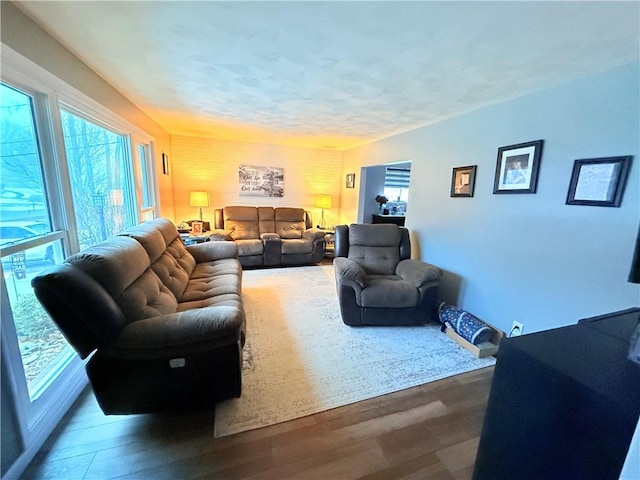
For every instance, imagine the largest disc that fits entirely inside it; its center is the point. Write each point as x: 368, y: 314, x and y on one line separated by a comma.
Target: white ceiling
x: 334, y: 74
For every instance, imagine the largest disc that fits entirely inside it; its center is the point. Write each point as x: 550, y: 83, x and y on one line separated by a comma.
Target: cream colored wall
x: 212, y: 165
x: 27, y: 38
x: 349, y: 206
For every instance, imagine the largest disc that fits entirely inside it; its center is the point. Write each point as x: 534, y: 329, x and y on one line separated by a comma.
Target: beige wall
x: 195, y: 163
x: 212, y: 165
x: 349, y: 196
x: 27, y: 38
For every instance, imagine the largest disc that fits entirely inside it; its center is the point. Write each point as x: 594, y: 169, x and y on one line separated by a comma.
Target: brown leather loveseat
x: 268, y: 236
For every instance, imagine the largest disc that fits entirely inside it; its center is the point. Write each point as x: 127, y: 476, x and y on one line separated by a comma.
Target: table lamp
x: 199, y: 199
x: 322, y: 202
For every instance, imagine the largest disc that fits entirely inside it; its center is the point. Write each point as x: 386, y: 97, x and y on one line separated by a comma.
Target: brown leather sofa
x: 268, y: 236
x: 164, y: 324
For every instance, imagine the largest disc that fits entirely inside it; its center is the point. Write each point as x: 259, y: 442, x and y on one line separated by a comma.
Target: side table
x: 329, y: 243
x: 192, y: 239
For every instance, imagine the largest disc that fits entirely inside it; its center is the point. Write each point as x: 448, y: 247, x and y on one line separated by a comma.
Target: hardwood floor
x: 426, y: 432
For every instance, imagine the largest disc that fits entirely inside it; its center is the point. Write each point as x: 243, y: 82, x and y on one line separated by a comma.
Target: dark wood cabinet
x: 564, y: 403
x: 397, y: 219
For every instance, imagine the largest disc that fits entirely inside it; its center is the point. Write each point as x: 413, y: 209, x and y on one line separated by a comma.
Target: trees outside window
x: 100, y: 171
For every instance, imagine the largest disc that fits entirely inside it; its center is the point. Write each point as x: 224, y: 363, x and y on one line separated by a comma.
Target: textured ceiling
x: 334, y: 74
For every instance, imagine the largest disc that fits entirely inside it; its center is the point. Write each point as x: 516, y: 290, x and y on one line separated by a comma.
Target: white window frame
x: 38, y: 417
x: 116, y: 130
x: 152, y: 208
x: 89, y: 110
x: 37, y: 420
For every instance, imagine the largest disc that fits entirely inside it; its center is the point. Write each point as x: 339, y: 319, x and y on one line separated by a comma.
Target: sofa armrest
x: 417, y: 272
x: 272, y: 245
x: 219, y: 235
x: 210, y: 251
x: 269, y: 236
x: 349, y: 270
x: 313, y: 234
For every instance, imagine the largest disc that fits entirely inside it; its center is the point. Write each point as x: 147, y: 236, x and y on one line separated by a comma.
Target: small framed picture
x: 463, y: 181
x: 598, y: 181
x: 351, y: 180
x: 517, y: 168
x: 196, y: 228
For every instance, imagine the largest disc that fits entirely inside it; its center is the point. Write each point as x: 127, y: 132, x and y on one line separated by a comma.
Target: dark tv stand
x: 564, y: 403
x: 397, y: 219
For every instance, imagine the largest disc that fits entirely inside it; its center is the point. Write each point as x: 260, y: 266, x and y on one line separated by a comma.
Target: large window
x: 72, y: 174
x: 100, y: 170
x: 27, y: 242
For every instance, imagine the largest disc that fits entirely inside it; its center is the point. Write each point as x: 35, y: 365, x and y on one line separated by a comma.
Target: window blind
x: 395, y: 177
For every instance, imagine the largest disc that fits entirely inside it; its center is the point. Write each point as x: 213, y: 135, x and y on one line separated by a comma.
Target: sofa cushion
x: 169, y: 258
x: 147, y: 297
x: 151, y: 239
x: 388, y: 291
x: 241, y: 222
x: 115, y: 263
x: 82, y: 308
x: 266, y: 220
x: 289, y: 222
x: 250, y: 247
x: 181, y: 254
x: 375, y: 247
x: 296, y: 245
x: 212, y: 283
x: 243, y: 230
x: 179, y: 333
x: 121, y: 265
x: 171, y: 273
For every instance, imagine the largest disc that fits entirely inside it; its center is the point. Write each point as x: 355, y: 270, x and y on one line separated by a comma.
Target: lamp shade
x: 199, y: 199
x: 323, y: 201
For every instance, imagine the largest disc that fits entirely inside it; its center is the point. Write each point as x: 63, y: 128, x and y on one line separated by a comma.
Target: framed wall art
x: 351, y: 180
x: 598, y: 181
x: 463, y: 181
x: 196, y: 228
x: 261, y: 181
x: 517, y: 168
x: 165, y: 164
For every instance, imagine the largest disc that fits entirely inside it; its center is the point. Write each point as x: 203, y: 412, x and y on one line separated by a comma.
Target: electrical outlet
x: 516, y: 329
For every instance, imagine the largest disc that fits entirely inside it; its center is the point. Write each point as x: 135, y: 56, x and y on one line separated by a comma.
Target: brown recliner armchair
x: 377, y: 282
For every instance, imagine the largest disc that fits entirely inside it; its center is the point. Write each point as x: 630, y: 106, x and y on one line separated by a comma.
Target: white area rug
x: 301, y: 359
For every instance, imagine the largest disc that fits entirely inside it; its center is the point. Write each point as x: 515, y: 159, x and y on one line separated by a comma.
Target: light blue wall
x: 373, y: 184
x: 527, y: 257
